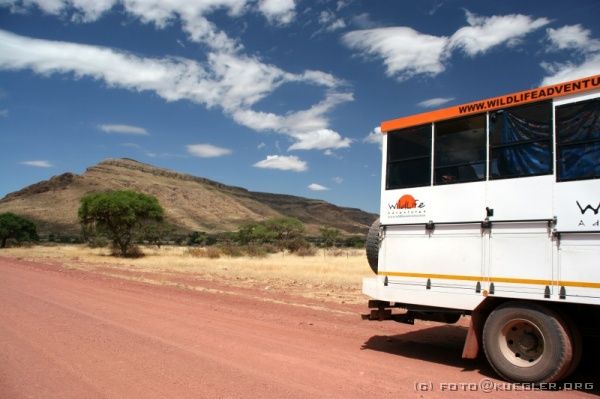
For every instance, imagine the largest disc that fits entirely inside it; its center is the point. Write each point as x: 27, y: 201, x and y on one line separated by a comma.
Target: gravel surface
x: 72, y: 334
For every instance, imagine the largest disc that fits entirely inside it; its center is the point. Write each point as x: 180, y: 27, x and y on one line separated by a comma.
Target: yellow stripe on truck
x: 583, y: 284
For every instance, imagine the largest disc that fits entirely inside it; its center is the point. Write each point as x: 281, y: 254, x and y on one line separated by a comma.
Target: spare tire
x: 373, y: 245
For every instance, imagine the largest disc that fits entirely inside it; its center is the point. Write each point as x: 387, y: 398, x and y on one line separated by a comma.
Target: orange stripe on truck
x: 490, y: 104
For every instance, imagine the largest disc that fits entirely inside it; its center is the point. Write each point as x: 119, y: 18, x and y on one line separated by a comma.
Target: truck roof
x: 522, y: 97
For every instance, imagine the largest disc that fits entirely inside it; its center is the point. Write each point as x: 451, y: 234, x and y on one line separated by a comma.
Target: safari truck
x: 491, y: 209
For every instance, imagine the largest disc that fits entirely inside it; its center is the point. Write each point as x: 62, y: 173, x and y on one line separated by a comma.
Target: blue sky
x: 281, y: 96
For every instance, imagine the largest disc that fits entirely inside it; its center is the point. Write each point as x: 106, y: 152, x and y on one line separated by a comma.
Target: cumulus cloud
x: 435, y: 102
x: 233, y: 82
x: 374, y: 137
x: 193, y: 15
x: 585, y: 54
x: 483, y: 33
x: 124, y: 129
x: 574, y: 37
x: 317, y: 187
x: 406, y: 52
x: 38, y: 164
x: 278, y: 11
x: 563, y: 72
x: 282, y: 162
x: 338, y: 179
x: 207, y: 150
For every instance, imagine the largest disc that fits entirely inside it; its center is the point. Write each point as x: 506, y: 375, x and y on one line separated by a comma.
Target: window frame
x: 549, y: 141
x: 560, y: 147
x: 388, y: 163
x: 483, y: 161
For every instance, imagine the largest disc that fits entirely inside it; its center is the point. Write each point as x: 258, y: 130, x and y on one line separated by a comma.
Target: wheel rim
x: 521, y: 343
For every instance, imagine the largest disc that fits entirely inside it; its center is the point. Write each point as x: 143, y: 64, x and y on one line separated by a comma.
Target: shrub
x: 231, y: 250
x: 133, y: 251
x: 256, y: 251
x: 17, y: 228
x: 306, y: 251
x: 98, y: 242
x: 210, y: 252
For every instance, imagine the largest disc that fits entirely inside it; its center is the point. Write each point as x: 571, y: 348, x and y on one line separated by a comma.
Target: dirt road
x: 72, y: 334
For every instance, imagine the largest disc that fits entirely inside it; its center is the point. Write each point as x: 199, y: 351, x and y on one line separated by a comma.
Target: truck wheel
x: 373, y: 245
x: 526, y: 342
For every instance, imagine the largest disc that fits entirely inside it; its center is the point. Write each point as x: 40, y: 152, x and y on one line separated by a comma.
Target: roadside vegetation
x: 124, y: 221
x: 16, y: 229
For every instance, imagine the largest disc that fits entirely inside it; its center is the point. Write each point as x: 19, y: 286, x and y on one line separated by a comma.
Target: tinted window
x: 460, y: 150
x: 578, y: 140
x: 521, y: 141
x: 409, y: 158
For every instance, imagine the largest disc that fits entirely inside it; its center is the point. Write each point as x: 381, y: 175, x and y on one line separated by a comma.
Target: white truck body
x: 492, y: 209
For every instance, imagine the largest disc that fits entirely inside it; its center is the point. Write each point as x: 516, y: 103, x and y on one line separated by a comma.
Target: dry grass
x: 336, y: 277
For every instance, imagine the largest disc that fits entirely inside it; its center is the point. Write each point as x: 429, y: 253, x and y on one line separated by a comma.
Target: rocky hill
x: 191, y: 203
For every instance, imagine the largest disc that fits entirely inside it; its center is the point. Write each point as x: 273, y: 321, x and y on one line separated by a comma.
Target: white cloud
x: 572, y: 37
x: 37, y: 164
x: 124, y: 129
x: 192, y: 15
x: 374, y: 137
x: 207, y: 150
x: 3, y: 113
x: 278, y: 11
x: 563, y: 72
x: 338, y: 179
x: 261, y: 145
x: 406, y: 52
x: 319, y: 139
x: 317, y: 187
x: 282, y: 162
x: 330, y: 22
x: 435, y: 102
x: 585, y: 62
x: 484, y: 33
x: 232, y: 82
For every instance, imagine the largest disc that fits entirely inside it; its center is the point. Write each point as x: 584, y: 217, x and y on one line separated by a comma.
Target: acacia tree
x: 120, y: 215
x: 16, y: 227
x: 330, y: 236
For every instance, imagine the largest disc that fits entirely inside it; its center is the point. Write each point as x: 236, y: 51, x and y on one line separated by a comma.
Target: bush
x: 231, y: 250
x: 98, y: 242
x: 16, y: 228
x: 306, y: 251
x: 210, y: 252
x: 133, y: 251
x: 256, y: 251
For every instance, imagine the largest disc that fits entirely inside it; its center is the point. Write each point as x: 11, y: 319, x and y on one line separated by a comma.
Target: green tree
x: 330, y: 236
x: 120, y: 215
x: 16, y: 227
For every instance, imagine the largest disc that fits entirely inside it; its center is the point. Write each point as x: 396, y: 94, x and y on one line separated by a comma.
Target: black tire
x: 373, y: 246
x: 526, y: 342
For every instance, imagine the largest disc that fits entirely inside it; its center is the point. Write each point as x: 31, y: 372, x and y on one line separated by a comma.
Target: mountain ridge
x: 191, y: 203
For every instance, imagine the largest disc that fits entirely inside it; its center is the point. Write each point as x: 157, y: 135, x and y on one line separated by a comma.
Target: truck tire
x: 372, y: 245
x: 526, y: 342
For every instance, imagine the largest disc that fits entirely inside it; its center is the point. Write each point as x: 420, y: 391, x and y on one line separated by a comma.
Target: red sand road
x: 72, y: 334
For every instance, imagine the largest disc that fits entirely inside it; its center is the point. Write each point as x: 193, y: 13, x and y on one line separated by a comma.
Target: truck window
x: 409, y: 158
x: 578, y: 140
x: 460, y: 150
x: 521, y: 141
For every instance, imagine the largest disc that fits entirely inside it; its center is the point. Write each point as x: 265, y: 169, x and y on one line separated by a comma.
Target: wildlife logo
x: 406, y: 206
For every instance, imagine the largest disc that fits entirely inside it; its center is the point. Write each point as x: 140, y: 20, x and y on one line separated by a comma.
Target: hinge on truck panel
x: 428, y: 286
x: 492, y: 289
x: 478, y: 287
x: 385, y: 281
x: 547, y: 292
